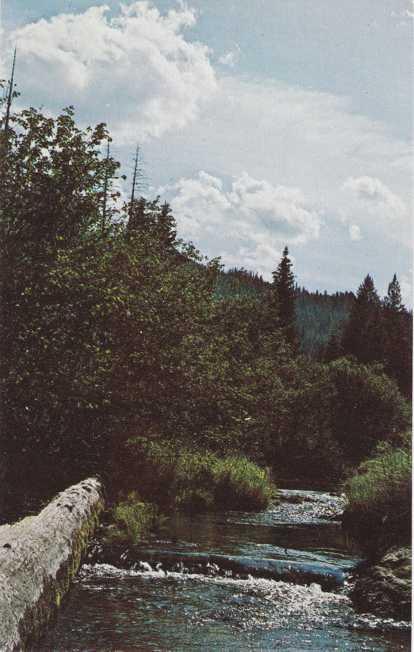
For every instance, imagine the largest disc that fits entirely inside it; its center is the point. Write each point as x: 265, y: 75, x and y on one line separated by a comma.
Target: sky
x: 264, y: 123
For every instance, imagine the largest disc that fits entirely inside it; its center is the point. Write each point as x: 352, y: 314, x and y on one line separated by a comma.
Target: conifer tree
x: 137, y: 215
x: 363, y: 333
x: 166, y: 226
x: 397, y: 337
x: 284, y: 292
x: 393, y: 301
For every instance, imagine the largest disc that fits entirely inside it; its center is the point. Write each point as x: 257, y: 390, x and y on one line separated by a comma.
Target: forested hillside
x: 319, y: 315
x: 123, y: 353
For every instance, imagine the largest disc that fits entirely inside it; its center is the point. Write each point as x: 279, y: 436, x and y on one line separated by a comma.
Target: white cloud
x: 136, y: 70
x: 142, y: 74
x: 301, y: 139
x: 374, y: 191
x: 230, y: 58
x: 355, y: 232
x: 249, y: 224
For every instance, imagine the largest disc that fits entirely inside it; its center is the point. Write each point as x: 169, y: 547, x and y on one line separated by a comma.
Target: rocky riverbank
x: 384, y: 588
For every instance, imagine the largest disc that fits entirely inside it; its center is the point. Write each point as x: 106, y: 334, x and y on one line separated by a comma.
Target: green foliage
x: 362, y: 333
x: 284, y: 290
x: 239, y: 282
x: 380, y: 332
x: 241, y: 484
x: 319, y: 316
x: 110, y: 327
x: 397, y: 338
x: 55, y: 302
x: 366, y: 407
x: 205, y: 480
x: 192, y: 480
x: 379, y: 496
x: 314, y: 420
x: 87, y: 312
x: 134, y: 518
x: 319, y: 320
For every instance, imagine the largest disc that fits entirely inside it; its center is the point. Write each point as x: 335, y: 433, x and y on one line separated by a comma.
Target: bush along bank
x: 193, y: 480
x: 190, y: 481
x: 379, y: 517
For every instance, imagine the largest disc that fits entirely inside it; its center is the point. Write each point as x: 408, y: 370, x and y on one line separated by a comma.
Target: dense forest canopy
x: 116, y: 336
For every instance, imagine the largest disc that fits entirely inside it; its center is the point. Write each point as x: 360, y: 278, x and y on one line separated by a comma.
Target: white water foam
x: 261, y: 602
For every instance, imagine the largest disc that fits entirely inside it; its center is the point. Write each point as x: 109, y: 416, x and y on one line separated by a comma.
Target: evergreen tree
x: 363, y: 333
x: 393, y: 301
x: 166, y: 226
x: 397, y: 337
x: 284, y: 292
x: 137, y: 214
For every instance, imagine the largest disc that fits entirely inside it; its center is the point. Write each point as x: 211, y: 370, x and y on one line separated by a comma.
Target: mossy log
x: 39, y: 556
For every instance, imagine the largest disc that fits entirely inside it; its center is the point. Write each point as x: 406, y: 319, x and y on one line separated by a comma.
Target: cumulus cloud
x: 140, y: 72
x: 230, y: 58
x: 135, y: 70
x: 248, y: 224
x: 373, y: 191
x: 355, y: 232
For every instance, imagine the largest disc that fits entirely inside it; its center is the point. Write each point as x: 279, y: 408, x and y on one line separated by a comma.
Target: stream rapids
x: 278, y: 579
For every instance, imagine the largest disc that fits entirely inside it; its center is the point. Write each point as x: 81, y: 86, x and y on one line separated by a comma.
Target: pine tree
x: 284, y: 293
x: 363, y: 333
x: 393, y: 301
x: 137, y: 215
x: 166, y: 226
x: 397, y: 337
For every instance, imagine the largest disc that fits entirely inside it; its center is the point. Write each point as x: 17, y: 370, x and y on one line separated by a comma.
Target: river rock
x: 385, y: 588
x: 39, y: 557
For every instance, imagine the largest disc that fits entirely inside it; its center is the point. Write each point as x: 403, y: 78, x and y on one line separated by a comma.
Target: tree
x: 393, y: 300
x: 397, y: 337
x: 10, y: 95
x: 366, y: 407
x: 137, y: 215
x: 166, y: 226
x: 284, y: 291
x: 363, y: 332
x: 54, y: 295
x: 137, y: 207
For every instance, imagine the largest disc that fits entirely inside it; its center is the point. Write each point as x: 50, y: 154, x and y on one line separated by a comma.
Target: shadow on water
x: 182, y: 592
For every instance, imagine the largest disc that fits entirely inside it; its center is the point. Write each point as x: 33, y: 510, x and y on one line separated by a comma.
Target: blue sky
x: 264, y: 122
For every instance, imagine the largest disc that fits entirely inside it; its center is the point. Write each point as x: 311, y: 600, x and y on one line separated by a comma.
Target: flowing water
x: 277, y: 580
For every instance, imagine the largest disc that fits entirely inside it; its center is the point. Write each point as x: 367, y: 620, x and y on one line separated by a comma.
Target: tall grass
x: 197, y: 480
x: 206, y: 481
x: 380, y: 496
x: 134, y: 518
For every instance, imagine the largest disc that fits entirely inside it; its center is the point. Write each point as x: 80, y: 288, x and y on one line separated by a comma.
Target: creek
x: 278, y: 579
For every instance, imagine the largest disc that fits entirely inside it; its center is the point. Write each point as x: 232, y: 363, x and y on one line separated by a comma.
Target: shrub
x: 241, y: 483
x: 379, y: 497
x: 135, y: 518
x: 366, y: 406
x: 197, y: 480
